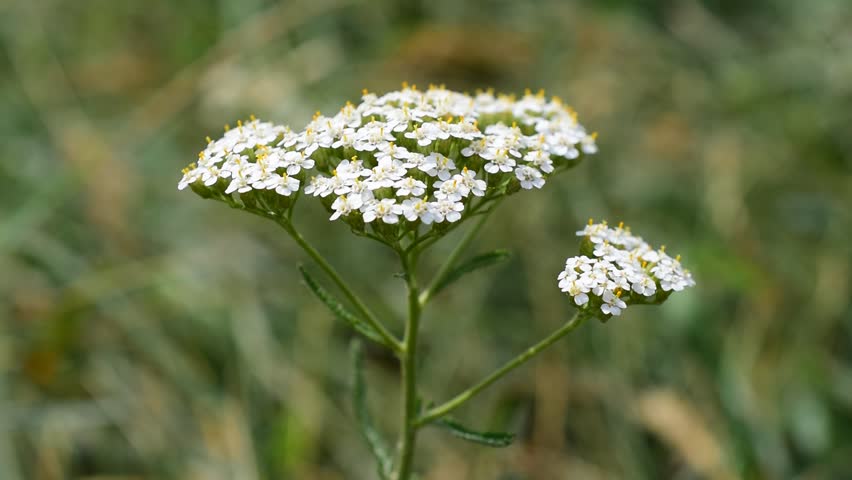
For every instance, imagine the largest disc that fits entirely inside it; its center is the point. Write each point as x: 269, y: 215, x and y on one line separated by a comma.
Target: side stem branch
x: 460, y: 399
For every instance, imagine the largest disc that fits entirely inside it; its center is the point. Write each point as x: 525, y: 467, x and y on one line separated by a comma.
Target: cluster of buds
x: 617, y: 269
x: 398, y: 161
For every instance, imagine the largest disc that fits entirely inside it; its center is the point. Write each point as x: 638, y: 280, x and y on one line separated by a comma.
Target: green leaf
x: 340, y: 311
x: 384, y: 462
x: 490, y: 439
x: 475, y: 263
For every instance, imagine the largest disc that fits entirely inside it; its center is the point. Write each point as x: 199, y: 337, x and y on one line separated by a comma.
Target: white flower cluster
x: 409, y: 154
x: 243, y: 158
x: 622, y: 266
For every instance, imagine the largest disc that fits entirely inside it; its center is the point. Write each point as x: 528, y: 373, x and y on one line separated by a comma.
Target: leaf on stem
x: 490, y: 439
x: 340, y: 311
x: 384, y: 462
x: 482, y: 260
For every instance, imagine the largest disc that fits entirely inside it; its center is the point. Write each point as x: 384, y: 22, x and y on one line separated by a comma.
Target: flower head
x: 406, y: 158
x: 622, y: 269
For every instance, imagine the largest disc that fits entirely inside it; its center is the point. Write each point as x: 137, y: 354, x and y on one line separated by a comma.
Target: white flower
x: 210, y: 175
x: 608, y: 252
x: 446, y: 209
x: 345, y: 140
x: 350, y: 170
x: 420, y: 134
x: 540, y: 159
x: 385, y: 174
x: 443, y: 165
x: 239, y: 183
x: 409, y: 186
x: 372, y: 136
x: 619, y: 278
x: 671, y: 274
x: 452, y: 190
x: 529, y: 177
x: 425, y: 164
x: 387, y: 210
x: 344, y: 205
x: 319, y: 187
x: 644, y: 285
x: 257, y: 173
x: 476, y: 147
x: 597, y: 233
x: 190, y: 176
x: 418, y: 161
x: 613, y: 305
x: 562, y: 145
x: 650, y: 255
x: 581, y: 263
x: 417, y: 208
x: 565, y: 277
x: 391, y: 151
x: 578, y: 290
x: 466, y: 130
x: 308, y: 141
x: 338, y: 184
x: 294, y: 162
x: 596, y: 279
x: 400, y: 118
x: 471, y: 183
x: 589, y: 145
x: 282, y: 184
x: 438, y: 130
x: 499, y: 161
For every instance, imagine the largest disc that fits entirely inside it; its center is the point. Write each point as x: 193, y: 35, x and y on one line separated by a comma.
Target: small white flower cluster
x: 622, y: 266
x: 244, y: 160
x: 410, y: 154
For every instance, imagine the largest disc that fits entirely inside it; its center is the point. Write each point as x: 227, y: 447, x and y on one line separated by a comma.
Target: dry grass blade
x: 681, y: 427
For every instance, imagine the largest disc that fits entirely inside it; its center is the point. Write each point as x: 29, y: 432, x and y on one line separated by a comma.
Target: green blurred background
x: 147, y: 334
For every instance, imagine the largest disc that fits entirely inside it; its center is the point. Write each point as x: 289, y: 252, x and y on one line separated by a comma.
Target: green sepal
x: 475, y: 263
x: 489, y: 439
x: 587, y: 247
x: 340, y: 311
x: 377, y: 445
x: 201, y: 190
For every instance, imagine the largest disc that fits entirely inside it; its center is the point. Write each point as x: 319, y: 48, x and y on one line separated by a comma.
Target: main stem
x: 457, y: 401
x: 408, y: 360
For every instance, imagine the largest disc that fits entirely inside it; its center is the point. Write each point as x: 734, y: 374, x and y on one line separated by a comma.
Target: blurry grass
x: 147, y: 334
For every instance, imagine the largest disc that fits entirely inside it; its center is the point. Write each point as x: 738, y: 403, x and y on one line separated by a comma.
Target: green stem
x: 365, y: 312
x: 459, y: 400
x: 408, y: 360
x: 451, y: 260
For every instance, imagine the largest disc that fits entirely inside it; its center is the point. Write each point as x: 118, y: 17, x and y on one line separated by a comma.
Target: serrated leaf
x: 340, y: 311
x: 483, y: 260
x: 490, y: 439
x: 384, y: 462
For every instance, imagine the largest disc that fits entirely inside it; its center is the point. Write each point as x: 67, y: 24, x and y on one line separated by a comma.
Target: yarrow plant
x: 405, y: 169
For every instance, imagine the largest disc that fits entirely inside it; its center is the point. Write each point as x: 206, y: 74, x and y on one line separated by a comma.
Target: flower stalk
x: 446, y: 408
x: 408, y: 362
x: 390, y: 340
x: 453, y: 257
